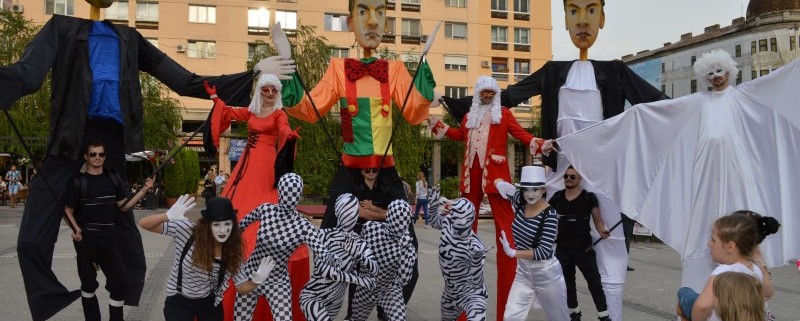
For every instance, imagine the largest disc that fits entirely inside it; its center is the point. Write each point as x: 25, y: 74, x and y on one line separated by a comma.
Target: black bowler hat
x: 219, y: 209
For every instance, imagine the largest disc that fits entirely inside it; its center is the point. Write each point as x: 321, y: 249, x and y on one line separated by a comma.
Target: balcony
x: 523, y: 16
x: 142, y: 24
x: 499, y: 46
x: 500, y: 14
x: 500, y: 75
x: 258, y: 31
x: 522, y: 47
x: 389, y: 38
x: 410, y: 39
x: 410, y: 7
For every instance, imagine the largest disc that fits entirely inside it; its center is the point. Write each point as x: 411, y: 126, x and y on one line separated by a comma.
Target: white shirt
x: 579, y: 101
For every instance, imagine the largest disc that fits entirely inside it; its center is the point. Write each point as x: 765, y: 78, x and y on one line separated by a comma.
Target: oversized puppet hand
x: 178, y: 211
x: 511, y: 252
x: 549, y: 146
x: 211, y: 90
x: 294, y: 134
x: 264, y: 268
x: 505, y: 189
x: 437, y: 100
x: 276, y: 65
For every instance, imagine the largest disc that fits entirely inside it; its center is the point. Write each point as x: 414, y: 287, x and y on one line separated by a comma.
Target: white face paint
x: 222, y: 230
x: 532, y: 194
x: 715, y: 71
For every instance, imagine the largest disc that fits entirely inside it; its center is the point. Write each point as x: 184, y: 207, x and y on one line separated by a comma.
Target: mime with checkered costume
x: 395, y: 255
x: 281, y: 231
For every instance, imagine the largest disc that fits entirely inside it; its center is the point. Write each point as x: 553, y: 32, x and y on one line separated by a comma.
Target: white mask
x: 222, y: 230
x: 532, y: 195
x: 715, y: 71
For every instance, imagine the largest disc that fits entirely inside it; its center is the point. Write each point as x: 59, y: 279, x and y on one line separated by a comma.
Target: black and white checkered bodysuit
x: 461, y: 259
x: 282, y: 230
x: 392, y: 248
x: 339, y: 254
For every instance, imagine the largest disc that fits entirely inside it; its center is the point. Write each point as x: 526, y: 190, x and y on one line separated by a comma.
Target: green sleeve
x: 292, y: 92
x: 424, y: 81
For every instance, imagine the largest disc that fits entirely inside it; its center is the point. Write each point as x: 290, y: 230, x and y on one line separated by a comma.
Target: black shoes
x: 630, y: 268
x: 605, y: 318
x: 575, y: 316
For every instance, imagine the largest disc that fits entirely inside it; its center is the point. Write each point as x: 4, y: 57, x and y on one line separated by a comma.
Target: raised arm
x: 27, y: 75
x: 325, y: 94
x: 436, y: 202
x: 254, y: 215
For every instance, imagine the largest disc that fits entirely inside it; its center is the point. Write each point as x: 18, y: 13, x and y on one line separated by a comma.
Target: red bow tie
x: 355, y: 69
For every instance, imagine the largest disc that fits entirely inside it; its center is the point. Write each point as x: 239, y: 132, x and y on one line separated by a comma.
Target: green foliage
x: 174, y: 182
x: 450, y: 187
x: 412, y: 151
x: 318, y: 160
x: 452, y: 151
x: 191, y: 170
x: 31, y: 113
x: 162, y: 113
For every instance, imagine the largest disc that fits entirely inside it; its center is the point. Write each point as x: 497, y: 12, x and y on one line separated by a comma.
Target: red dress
x: 251, y: 184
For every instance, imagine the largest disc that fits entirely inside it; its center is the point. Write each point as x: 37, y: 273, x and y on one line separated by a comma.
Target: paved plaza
x: 649, y: 291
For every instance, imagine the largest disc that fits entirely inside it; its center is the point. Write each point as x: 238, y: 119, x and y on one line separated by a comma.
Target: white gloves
x: 264, y: 268
x: 507, y: 247
x: 276, y: 65
x: 505, y: 189
x: 178, y: 211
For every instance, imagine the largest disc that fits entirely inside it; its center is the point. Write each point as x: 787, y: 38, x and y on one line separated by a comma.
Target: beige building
x: 508, y: 39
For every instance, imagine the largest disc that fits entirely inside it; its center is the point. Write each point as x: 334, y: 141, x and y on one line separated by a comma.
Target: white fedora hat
x: 532, y: 176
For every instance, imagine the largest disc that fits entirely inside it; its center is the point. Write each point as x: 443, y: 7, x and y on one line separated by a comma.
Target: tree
x: 162, y: 113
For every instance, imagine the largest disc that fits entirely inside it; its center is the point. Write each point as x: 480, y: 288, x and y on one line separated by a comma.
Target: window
x: 254, y: 49
x: 663, y: 67
x: 410, y: 27
x: 753, y: 74
x: 739, y: 77
x: 738, y: 51
x: 792, y: 42
x: 117, y: 11
x: 455, y: 3
x: 202, y: 14
x: 773, y: 44
x: 340, y: 53
x: 455, y: 92
x: 694, y: 58
x: 500, y: 69
x: 257, y: 20
x: 499, y: 5
x: 499, y: 34
x: 335, y: 22
x: 147, y: 11
x: 693, y: 86
x: 390, y: 23
x: 762, y: 45
x: 410, y: 1
x: 455, y: 30
x: 664, y: 89
x: 152, y: 41
x: 763, y: 72
x: 455, y: 63
x: 522, y: 36
x: 522, y: 68
x: 63, y: 7
x: 288, y: 19
x: 521, y: 6
x: 202, y: 49
x: 753, y: 47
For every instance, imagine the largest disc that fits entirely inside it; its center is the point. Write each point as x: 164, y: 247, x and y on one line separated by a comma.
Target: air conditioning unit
x: 485, y: 64
x: 18, y: 8
x: 181, y: 48
x: 423, y: 38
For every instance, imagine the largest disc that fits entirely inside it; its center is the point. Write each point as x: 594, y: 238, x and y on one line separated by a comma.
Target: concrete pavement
x: 649, y: 292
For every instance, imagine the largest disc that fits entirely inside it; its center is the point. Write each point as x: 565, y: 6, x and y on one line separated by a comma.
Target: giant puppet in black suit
x: 96, y: 95
x: 576, y: 94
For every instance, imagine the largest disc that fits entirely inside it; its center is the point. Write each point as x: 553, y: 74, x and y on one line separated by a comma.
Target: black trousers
x: 101, y: 248
x: 627, y: 228
x: 587, y: 263
x: 181, y: 308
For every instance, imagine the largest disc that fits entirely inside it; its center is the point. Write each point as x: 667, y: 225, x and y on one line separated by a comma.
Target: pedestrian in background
x: 422, y: 197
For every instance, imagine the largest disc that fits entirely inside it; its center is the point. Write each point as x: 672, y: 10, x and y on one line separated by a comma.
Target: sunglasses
x: 488, y: 92
x: 269, y: 90
x: 570, y: 176
x: 101, y: 155
x: 370, y: 170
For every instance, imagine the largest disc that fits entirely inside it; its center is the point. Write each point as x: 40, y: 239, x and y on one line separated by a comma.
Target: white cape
x: 678, y: 165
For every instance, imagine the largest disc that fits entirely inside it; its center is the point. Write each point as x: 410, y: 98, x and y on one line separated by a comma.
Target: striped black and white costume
x: 281, y: 231
x: 538, y: 281
x: 461, y: 259
x: 395, y: 255
x: 338, y: 254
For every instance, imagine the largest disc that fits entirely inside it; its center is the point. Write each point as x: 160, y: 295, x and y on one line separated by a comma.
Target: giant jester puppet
x: 576, y: 94
x: 96, y: 96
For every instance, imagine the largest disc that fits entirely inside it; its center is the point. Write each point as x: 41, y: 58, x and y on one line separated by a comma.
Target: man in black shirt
x: 575, y: 206
x: 93, y: 205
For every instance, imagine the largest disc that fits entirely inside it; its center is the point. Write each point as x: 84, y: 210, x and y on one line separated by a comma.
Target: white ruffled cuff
x: 439, y: 129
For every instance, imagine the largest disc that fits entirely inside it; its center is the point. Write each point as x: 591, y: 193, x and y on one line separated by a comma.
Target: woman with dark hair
x: 207, y: 253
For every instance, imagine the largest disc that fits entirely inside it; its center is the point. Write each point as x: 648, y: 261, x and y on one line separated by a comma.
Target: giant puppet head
x: 715, y: 68
x: 100, y: 3
x: 367, y: 21
x: 584, y: 19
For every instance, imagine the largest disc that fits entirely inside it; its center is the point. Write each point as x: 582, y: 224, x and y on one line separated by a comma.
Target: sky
x: 635, y: 25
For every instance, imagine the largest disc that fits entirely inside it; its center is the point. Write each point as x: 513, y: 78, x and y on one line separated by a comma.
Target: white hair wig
x: 475, y: 111
x: 265, y: 80
x: 710, y: 61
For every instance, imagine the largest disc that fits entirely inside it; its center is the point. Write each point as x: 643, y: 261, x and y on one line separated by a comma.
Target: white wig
x: 475, y: 111
x: 265, y: 80
x: 712, y: 60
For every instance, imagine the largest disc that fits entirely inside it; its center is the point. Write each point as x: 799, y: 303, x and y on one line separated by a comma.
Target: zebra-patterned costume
x: 282, y: 230
x: 395, y: 255
x: 461, y: 259
x: 338, y: 254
